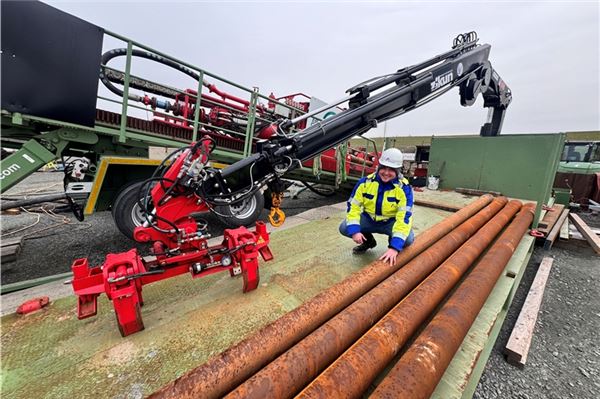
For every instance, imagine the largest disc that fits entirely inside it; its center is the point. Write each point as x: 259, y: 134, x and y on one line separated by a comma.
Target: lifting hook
x: 276, y: 216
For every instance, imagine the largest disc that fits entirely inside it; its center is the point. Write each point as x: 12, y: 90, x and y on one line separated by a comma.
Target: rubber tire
x: 231, y: 220
x: 122, y: 209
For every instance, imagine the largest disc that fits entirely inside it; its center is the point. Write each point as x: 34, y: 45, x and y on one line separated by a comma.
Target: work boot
x: 367, y: 244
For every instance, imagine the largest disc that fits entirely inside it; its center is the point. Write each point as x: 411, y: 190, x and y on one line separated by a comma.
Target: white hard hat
x: 392, y: 158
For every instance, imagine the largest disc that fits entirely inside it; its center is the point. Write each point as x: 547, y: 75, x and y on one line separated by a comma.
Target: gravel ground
x: 564, y: 357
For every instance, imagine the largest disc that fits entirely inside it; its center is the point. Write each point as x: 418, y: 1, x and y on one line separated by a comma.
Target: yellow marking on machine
x: 101, y: 174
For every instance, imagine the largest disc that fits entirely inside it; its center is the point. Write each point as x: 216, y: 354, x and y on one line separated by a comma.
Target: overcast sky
x: 547, y: 52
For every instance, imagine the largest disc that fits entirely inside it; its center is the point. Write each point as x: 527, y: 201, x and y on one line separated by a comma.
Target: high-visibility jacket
x: 382, y: 202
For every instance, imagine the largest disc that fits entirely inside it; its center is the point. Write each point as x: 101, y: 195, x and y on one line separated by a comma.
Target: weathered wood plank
x: 437, y: 205
x: 9, y: 253
x: 550, y: 219
x: 472, y: 191
x: 519, y: 342
x: 564, y: 230
x: 551, y: 237
x: 584, y: 229
x: 6, y: 242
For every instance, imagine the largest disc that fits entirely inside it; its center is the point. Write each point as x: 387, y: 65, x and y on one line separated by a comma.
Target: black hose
x: 31, y: 201
x: 316, y: 191
x: 120, y: 52
x: 142, y: 202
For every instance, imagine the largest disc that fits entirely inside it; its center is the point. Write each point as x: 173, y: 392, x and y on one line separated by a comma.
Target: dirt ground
x: 564, y: 357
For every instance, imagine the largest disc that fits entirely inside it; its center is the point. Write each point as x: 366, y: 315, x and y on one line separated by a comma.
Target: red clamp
x: 536, y: 233
x: 122, y: 276
x: 547, y: 208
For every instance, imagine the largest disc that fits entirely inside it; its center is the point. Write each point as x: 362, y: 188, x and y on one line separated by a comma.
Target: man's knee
x: 410, y: 239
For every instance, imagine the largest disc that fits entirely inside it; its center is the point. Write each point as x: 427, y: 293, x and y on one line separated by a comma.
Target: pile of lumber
x: 10, y: 249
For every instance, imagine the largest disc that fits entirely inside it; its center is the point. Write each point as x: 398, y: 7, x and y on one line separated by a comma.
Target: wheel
x: 243, y: 213
x: 126, y: 210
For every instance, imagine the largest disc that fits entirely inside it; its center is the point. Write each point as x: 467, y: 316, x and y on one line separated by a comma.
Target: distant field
x: 407, y: 141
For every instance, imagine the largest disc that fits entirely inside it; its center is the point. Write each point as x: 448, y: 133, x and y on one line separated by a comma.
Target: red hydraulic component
x: 173, y: 212
x: 33, y: 304
x: 122, y: 276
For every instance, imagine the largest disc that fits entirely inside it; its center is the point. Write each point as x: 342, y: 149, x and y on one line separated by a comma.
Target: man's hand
x: 389, y: 256
x: 358, y: 238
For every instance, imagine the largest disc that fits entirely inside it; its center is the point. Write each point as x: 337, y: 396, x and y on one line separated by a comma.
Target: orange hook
x: 276, y: 216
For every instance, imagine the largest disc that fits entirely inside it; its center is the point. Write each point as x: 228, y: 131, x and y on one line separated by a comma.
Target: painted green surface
x: 51, y: 354
x: 518, y: 166
x: 22, y: 163
x: 562, y: 196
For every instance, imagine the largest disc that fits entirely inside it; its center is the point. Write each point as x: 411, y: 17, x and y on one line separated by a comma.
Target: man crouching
x: 381, y: 203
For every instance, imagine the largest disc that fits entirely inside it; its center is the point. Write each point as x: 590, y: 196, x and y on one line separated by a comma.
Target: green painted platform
x: 52, y: 354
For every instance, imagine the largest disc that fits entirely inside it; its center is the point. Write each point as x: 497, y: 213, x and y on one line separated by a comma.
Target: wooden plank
x: 9, y: 253
x: 12, y: 241
x: 550, y: 219
x: 519, y: 342
x: 472, y: 191
x: 564, y: 230
x: 551, y: 237
x: 584, y: 229
x: 437, y: 205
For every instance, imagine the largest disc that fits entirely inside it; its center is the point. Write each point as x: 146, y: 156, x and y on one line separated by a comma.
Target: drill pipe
x: 290, y: 372
x: 420, y: 369
x: 227, y: 370
x: 353, y: 372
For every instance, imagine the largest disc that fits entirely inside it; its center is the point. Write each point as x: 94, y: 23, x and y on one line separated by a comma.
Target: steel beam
x: 420, y: 369
x: 227, y: 370
x: 353, y: 372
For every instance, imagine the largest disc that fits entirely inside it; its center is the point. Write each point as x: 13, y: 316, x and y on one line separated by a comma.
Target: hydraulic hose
x: 120, y: 52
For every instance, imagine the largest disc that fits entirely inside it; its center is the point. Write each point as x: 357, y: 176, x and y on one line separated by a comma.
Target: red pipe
x: 420, y: 369
x: 309, y: 357
x: 353, y: 372
x: 227, y: 370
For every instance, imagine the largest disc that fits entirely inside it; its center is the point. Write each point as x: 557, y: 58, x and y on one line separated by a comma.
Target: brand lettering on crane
x: 9, y: 171
x: 442, y: 80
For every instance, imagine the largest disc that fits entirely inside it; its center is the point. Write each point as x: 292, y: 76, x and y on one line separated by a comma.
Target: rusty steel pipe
x: 353, y: 372
x: 227, y: 370
x: 420, y: 369
x: 290, y: 372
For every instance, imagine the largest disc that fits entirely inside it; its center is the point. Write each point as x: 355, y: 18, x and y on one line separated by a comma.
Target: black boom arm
x: 371, y: 102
